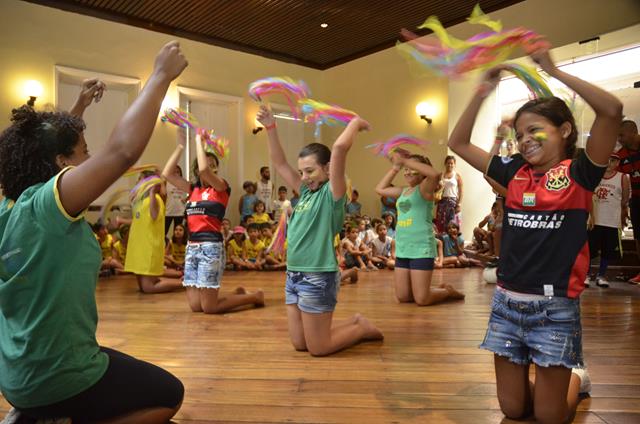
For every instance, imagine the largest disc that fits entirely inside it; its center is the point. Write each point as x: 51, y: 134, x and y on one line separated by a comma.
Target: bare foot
x: 259, y: 298
x: 453, y: 293
x: 349, y: 274
x: 371, y: 332
x: 240, y: 290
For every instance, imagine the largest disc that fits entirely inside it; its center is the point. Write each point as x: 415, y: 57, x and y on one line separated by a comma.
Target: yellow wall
x: 380, y: 87
x: 35, y: 38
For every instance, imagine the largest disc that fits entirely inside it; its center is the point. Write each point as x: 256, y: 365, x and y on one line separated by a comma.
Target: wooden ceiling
x: 286, y: 30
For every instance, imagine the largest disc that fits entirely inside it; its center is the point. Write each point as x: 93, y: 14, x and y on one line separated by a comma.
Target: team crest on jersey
x: 557, y: 178
x: 205, y: 195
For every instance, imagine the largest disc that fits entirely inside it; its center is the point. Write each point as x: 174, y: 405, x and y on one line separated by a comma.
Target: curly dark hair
x: 28, y: 148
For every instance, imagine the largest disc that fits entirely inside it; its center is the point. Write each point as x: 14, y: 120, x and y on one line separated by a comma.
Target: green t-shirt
x: 414, y: 231
x: 316, y: 220
x: 49, y: 265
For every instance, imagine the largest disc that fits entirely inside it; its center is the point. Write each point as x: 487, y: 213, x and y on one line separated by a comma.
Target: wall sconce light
x: 425, y: 111
x: 33, y: 90
x: 258, y: 127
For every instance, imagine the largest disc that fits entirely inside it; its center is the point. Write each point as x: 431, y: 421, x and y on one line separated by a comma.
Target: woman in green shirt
x: 51, y: 365
x: 415, y: 242
x: 313, y: 277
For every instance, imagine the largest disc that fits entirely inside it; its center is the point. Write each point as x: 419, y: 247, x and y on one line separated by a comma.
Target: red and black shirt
x: 630, y: 164
x: 544, y: 247
x: 205, y: 210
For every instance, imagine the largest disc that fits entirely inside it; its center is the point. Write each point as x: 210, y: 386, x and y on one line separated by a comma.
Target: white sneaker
x: 602, y: 282
x: 586, y: 282
x: 585, y: 380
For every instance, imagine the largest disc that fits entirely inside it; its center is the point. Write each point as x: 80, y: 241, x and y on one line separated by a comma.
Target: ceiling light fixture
x: 324, y: 25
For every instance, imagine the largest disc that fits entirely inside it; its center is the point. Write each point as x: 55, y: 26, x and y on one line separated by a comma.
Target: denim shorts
x: 546, y: 332
x: 204, y: 264
x: 313, y: 292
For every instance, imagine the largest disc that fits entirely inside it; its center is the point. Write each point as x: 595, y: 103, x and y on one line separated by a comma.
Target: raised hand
x: 265, y: 116
x: 539, y: 52
x: 170, y: 62
x: 360, y: 124
x: 90, y: 91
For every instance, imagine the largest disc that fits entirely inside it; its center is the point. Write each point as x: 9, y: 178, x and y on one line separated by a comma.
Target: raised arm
x: 154, y: 207
x: 207, y: 175
x: 607, y: 107
x: 278, y: 158
x: 339, y: 151
x: 90, y: 91
x: 460, y: 140
x: 169, y: 172
x: 83, y: 184
x: 384, y: 187
x: 430, y: 183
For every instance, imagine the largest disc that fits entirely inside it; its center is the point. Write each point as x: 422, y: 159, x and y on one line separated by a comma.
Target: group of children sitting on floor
x: 364, y: 244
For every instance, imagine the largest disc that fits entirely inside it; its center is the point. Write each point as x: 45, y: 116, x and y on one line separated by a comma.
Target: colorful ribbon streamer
x: 452, y: 57
x: 140, y: 190
x: 385, y: 148
x: 323, y: 113
x: 291, y: 90
x: 280, y: 236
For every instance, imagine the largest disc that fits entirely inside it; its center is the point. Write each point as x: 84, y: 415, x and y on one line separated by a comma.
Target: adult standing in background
x: 265, y: 189
x: 449, y: 204
x: 629, y: 156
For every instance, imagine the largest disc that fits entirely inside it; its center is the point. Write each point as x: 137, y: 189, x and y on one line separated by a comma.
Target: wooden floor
x: 241, y: 368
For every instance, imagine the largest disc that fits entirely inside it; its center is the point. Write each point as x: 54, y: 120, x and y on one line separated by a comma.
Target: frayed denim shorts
x: 204, y: 264
x: 313, y: 292
x: 546, y: 332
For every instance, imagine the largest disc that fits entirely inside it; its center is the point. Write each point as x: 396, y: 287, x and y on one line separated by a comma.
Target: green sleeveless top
x: 414, y: 231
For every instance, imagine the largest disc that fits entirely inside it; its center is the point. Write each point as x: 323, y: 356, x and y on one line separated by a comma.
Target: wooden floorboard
x: 241, y: 368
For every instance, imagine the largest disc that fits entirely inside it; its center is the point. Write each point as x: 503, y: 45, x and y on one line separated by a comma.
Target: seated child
x: 354, y: 256
x: 259, y: 214
x: 235, y: 249
x: 273, y: 260
x: 453, y: 244
x: 390, y: 221
x: 109, y: 264
x: 481, y: 235
x: 253, y: 248
x: 120, y: 246
x: 384, y: 248
x: 176, y: 248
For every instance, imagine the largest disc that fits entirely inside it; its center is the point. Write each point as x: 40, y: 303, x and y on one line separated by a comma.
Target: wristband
x: 270, y: 127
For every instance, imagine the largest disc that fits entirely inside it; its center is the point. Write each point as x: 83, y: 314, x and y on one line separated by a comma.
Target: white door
x: 100, y: 118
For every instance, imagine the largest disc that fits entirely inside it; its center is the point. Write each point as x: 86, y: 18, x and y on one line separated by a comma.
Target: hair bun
x: 23, y: 116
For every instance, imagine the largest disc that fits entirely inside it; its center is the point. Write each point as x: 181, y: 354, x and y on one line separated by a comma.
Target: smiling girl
x: 535, y: 314
x: 313, y: 277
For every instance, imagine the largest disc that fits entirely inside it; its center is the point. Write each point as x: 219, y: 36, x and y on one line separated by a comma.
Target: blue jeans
x: 313, y: 292
x: 546, y: 332
x: 204, y: 264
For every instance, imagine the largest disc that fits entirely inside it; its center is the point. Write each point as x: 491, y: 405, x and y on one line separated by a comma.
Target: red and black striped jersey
x: 205, y: 210
x: 630, y: 164
x: 544, y: 247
